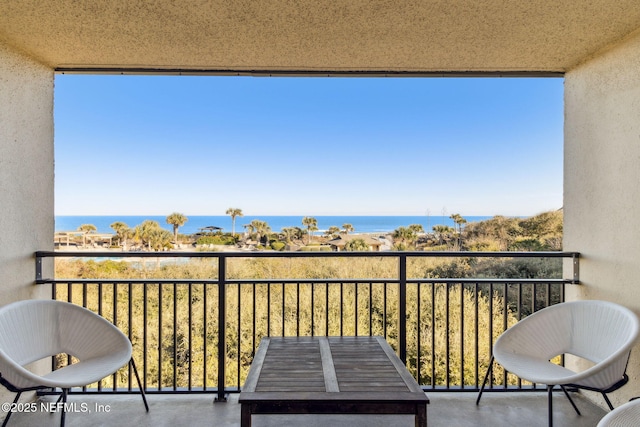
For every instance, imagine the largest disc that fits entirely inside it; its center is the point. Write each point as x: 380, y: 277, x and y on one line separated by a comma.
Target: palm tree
x: 86, y: 229
x: 357, y: 245
x: 442, y: 231
x: 234, y: 212
x: 404, y: 234
x: 459, y: 221
x: 416, y: 228
x: 261, y: 229
x: 332, y: 231
x: 347, y: 228
x: 287, y: 233
x: 177, y: 220
x: 159, y: 239
x: 312, y: 225
x: 146, y: 231
x: 123, y: 232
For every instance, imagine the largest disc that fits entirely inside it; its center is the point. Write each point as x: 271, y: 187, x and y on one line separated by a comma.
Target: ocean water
x: 361, y: 224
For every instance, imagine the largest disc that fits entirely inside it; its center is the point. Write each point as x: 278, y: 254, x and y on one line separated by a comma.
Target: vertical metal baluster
x: 283, y: 310
x: 418, y: 338
x: 462, y: 335
x: 384, y: 310
x: 268, y: 309
x: 175, y: 336
x: 222, y: 329
x: 298, y: 309
x: 130, y: 332
x: 341, y: 309
x: 312, y: 311
x: 476, y: 337
x: 85, y: 294
x: 101, y: 315
x: 402, y: 308
x: 115, y: 322
x: 145, y: 340
x: 370, y: 309
x: 160, y: 304
x: 253, y: 343
x: 190, y: 332
x: 205, y: 317
x: 505, y: 307
x: 490, y: 331
x: 447, y: 344
x: 519, y: 316
x: 355, y: 311
x: 433, y: 335
x: 326, y: 309
x: 239, y: 347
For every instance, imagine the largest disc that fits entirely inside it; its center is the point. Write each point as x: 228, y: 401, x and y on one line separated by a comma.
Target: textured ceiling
x: 421, y: 36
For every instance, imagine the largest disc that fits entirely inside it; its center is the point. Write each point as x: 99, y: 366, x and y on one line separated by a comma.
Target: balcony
x: 445, y: 409
x: 194, y: 338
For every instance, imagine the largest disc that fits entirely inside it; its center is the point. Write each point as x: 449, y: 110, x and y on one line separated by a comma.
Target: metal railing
x: 199, y: 334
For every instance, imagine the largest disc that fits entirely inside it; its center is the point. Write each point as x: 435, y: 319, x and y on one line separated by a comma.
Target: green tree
x: 347, y: 228
x: 87, y: 228
x: 357, y: 245
x: 405, y: 235
x: 332, y: 231
x: 416, y: 228
x: 261, y: 228
x: 311, y: 224
x: 233, y: 213
x: 459, y: 222
x: 123, y: 232
x: 287, y: 234
x: 177, y: 220
x: 442, y: 232
x: 151, y: 235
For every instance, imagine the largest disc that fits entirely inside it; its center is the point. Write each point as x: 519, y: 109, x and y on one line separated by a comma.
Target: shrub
x: 315, y: 248
x: 216, y: 240
x: 278, y: 246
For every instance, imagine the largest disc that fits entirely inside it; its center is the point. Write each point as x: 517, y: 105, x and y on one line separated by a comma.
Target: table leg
x: 245, y: 415
x: 421, y: 415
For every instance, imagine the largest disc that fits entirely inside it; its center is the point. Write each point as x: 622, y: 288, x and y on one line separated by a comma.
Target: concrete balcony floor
x: 446, y: 409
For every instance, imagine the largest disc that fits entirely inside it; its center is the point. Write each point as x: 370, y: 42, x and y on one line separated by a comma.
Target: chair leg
x: 550, y: 404
x: 484, y: 382
x: 63, y: 397
x: 570, y: 399
x: 606, y: 399
x: 135, y: 371
x: 6, y: 419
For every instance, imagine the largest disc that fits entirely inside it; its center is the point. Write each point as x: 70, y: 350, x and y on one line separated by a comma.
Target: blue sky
x: 153, y: 145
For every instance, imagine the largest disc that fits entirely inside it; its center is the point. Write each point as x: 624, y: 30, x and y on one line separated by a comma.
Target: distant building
x: 72, y: 238
x: 339, y: 242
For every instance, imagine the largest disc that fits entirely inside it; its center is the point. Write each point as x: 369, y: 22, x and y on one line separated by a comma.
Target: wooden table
x: 334, y: 375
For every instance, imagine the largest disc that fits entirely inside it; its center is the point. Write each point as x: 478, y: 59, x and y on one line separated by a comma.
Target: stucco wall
x: 26, y: 178
x: 26, y: 172
x: 602, y: 182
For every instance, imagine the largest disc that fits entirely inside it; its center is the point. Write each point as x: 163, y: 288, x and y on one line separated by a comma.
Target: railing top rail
x: 298, y: 254
x: 277, y: 281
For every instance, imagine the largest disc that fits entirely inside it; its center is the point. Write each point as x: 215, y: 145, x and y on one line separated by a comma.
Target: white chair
x: 35, y: 329
x: 623, y: 416
x: 599, y: 331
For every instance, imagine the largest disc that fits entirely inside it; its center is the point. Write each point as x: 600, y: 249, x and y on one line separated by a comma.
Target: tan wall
x: 602, y: 182
x: 26, y: 178
x: 26, y: 172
